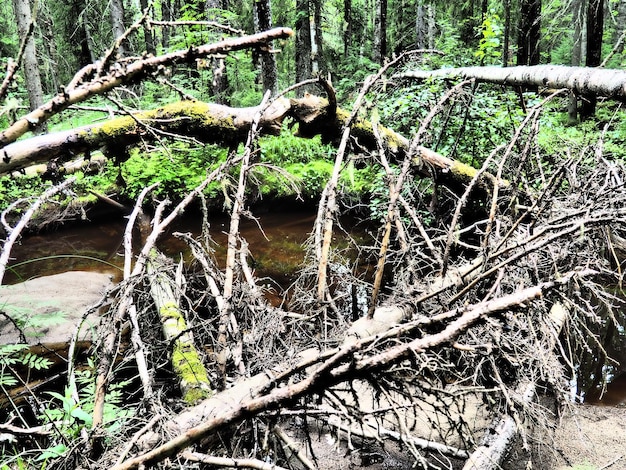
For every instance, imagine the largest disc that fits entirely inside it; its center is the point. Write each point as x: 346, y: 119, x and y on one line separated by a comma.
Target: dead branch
x: 228, y: 462
x: 346, y: 363
x: 13, y: 233
x: 125, y: 73
x: 497, y: 442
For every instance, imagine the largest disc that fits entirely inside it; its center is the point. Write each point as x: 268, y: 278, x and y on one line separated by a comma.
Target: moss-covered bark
x: 186, y: 361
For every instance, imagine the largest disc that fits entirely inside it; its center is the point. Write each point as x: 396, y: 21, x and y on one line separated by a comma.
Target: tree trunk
x: 75, y: 27
x: 347, y: 31
x: 25, y: 27
x: 219, y: 84
x: 610, y: 83
x: 166, y: 15
x: 529, y: 32
x: 78, y: 90
x: 263, y: 22
x: 147, y: 31
x: 317, y: 42
x: 303, y: 41
x: 595, y: 29
x: 572, y: 106
x: 507, y: 33
x: 380, y: 32
x: 117, y: 24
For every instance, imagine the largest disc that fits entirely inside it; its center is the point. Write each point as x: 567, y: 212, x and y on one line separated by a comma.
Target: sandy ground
x: 592, y: 435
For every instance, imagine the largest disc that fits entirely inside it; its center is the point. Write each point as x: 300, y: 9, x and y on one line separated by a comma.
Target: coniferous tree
x: 595, y: 30
x: 263, y: 22
x: 380, y: 31
x: 303, y: 41
x: 30, y: 66
x: 529, y: 32
x: 117, y: 23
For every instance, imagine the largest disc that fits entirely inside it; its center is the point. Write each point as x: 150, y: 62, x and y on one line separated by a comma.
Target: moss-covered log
x: 213, y: 123
x: 207, y: 122
x: 313, y: 116
x: 186, y: 361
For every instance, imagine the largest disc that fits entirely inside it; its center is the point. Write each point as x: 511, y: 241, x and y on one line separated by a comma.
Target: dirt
x: 589, y: 435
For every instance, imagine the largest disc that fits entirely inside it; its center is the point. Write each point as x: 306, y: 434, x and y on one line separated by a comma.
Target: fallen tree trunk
x: 185, y: 357
x: 207, y: 122
x: 265, y: 392
x: 80, y: 89
x: 610, y: 83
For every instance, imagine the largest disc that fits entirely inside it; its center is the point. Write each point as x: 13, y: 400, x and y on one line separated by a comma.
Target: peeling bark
x: 610, y: 83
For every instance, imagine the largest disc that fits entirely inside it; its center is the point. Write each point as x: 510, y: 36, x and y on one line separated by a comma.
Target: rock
x: 48, y: 309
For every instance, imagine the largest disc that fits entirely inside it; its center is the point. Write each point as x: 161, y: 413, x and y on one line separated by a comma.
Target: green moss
x: 463, y: 170
x: 186, y: 362
x: 191, y: 371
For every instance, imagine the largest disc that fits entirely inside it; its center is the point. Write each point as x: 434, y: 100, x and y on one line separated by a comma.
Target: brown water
x: 275, y: 243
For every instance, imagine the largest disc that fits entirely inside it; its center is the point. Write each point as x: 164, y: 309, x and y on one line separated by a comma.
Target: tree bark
x: 304, y: 62
x: 595, y: 29
x: 25, y: 26
x: 380, y: 32
x: 263, y: 22
x: 147, y: 31
x: 577, y: 9
x: 317, y: 43
x: 117, y: 24
x: 347, y: 31
x: 610, y: 83
x: 218, y: 63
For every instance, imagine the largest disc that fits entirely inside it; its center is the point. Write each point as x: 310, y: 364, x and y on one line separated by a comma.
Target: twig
x: 294, y: 447
x: 14, y: 232
x: 229, y: 462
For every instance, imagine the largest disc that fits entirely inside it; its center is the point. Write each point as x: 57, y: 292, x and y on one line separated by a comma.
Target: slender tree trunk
x: 420, y: 26
x: 529, y: 32
x: 572, y: 107
x: 147, y: 31
x: 219, y: 84
x: 432, y: 27
x: 25, y: 23
x: 318, y: 43
x: 46, y: 24
x: 595, y: 29
x: 117, y: 23
x: 263, y: 22
x: 507, y: 33
x: 166, y: 15
x: 380, y: 32
x: 303, y: 41
x: 347, y: 25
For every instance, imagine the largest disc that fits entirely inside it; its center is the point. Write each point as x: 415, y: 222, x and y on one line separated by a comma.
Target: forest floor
x: 587, y: 437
